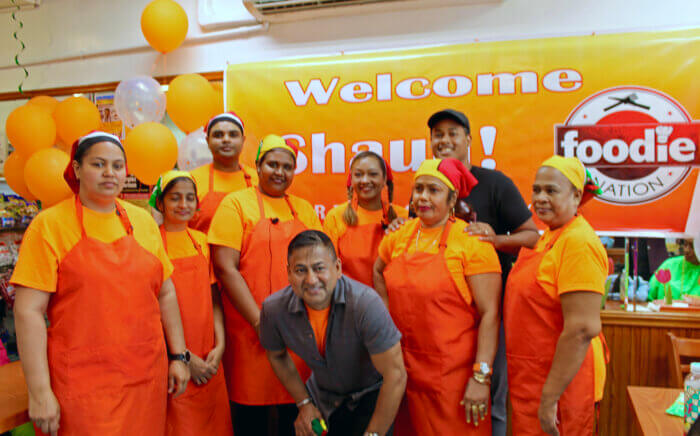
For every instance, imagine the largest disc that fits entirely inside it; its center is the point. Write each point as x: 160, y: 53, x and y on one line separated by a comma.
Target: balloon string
x: 154, y: 65
x: 20, y: 25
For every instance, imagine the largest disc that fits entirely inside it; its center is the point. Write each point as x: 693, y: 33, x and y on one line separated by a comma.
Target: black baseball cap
x: 449, y: 114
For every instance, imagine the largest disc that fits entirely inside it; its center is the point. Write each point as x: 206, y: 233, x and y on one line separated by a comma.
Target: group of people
x: 243, y: 313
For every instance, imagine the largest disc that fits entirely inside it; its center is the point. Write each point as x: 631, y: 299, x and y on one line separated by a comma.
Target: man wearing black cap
x: 501, y: 217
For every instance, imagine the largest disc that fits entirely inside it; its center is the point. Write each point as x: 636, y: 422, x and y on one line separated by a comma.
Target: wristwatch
x: 482, y: 373
x: 481, y: 378
x: 482, y: 367
x: 184, y: 356
x: 304, y: 402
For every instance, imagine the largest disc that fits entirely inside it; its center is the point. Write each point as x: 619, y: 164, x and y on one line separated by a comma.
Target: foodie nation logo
x: 638, y: 143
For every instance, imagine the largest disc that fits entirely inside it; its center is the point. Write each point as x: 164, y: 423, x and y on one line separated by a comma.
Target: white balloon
x: 139, y: 100
x: 194, y: 151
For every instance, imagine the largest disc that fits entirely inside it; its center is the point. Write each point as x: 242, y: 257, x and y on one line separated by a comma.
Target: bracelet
x: 303, y: 402
x: 481, y: 378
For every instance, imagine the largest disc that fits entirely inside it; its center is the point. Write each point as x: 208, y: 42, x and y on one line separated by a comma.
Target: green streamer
x: 20, y: 26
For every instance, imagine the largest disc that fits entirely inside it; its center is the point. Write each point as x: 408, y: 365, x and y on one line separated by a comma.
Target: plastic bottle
x: 691, y: 386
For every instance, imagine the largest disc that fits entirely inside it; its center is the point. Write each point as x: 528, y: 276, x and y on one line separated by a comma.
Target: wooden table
x: 649, y: 405
x: 13, y: 397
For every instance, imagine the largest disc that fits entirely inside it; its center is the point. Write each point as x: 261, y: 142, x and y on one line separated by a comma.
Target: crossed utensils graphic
x: 630, y: 99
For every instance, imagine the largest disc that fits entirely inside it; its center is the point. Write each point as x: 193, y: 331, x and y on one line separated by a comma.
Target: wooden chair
x: 685, y: 350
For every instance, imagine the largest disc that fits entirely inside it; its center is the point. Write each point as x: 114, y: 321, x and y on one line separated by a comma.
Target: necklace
x: 431, y: 243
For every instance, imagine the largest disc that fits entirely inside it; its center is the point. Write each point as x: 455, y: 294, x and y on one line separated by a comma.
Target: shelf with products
x: 15, y: 215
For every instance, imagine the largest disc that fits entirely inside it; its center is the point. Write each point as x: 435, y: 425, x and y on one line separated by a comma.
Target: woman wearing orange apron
x: 249, y: 235
x: 97, y: 267
x: 357, y: 228
x: 554, y: 352
x: 226, y: 174
x: 442, y: 286
x: 204, y: 408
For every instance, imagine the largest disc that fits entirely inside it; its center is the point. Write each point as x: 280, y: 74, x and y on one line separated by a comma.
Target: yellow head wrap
x: 163, y: 181
x: 270, y: 142
x: 429, y: 167
x: 571, y: 167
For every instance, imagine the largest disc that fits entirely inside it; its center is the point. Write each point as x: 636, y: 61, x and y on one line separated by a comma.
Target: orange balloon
x: 164, y: 25
x: 190, y: 102
x: 44, y: 101
x: 151, y: 149
x: 43, y: 174
x: 14, y: 175
x: 30, y: 128
x: 219, y: 97
x: 75, y: 117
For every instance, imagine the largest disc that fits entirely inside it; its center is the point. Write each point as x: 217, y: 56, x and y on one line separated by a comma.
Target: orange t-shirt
x: 465, y: 255
x: 576, y: 262
x: 238, y: 214
x: 180, y: 245
x: 335, y: 227
x: 319, y: 324
x: 55, y: 231
x: 223, y: 181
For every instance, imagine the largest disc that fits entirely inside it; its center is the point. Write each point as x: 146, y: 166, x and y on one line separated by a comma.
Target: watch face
x: 187, y: 356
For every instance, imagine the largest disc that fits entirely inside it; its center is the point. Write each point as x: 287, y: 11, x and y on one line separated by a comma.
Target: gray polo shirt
x: 359, y: 325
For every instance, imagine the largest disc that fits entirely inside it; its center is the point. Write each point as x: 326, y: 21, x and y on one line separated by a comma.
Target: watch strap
x: 482, y: 368
x: 183, y: 357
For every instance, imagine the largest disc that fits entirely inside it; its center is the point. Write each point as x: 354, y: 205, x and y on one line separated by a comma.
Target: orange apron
x: 533, y: 322
x: 106, y: 349
x: 201, y: 409
x: 439, y: 341
x: 358, y: 248
x: 211, y: 201
x: 263, y: 265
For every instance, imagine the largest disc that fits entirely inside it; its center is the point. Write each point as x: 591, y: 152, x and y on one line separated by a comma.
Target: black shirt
x: 359, y: 326
x: 498, y: 203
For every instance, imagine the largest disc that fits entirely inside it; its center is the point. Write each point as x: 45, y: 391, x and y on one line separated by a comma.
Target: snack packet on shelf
x: 6, y: 256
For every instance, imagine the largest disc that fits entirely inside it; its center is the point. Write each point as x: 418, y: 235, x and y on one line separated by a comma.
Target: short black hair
x: 309, y: 238
x: 219, y: 118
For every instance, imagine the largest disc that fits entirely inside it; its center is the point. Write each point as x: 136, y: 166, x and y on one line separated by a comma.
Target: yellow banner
x: 625, y: 104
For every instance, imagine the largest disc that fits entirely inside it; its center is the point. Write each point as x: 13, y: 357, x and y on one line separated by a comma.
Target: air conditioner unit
x: 9, y: 5
x: 276, y: 11
x: 222, y: 14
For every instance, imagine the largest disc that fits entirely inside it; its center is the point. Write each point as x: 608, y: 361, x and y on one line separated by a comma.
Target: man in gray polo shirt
x: 344, y: 333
